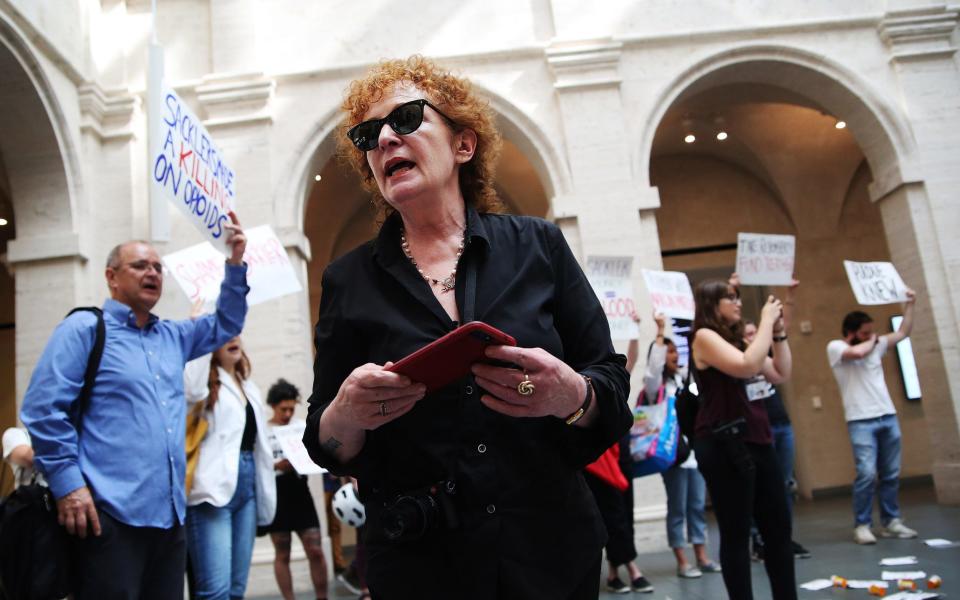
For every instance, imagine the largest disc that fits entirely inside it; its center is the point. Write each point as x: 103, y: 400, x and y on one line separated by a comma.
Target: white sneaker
x: 896, y: 528
x: 862, y: 535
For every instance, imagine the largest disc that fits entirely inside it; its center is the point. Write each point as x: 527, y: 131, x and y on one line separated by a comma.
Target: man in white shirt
x: 18, y: 453
x: 871, y: 420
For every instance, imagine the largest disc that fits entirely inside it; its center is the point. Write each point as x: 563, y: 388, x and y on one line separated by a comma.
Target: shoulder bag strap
x: 93, y: 363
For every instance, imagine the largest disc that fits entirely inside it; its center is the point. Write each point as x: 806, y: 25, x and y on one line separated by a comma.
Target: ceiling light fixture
x: 722, y: 135
x: 841, y: 125
x: 3, y: 222
x: 690, y: 138
x: 317, y: 178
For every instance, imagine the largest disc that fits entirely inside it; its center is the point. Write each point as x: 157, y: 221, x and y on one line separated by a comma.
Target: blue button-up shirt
x: 131, y: 446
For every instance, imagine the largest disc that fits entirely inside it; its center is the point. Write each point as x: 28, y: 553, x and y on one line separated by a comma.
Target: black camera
x: 410, y: 515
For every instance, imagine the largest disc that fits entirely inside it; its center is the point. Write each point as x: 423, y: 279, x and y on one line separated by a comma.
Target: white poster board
x: 290, y: 438
x: 610, y: 278
x: 670, y: 293
x: 875, y: 283
x: 185, y: 166
x: 199, y: 269
x: 765, y: 259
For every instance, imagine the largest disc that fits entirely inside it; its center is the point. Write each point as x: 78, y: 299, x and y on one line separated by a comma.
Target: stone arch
x: 318, y: 146
x: 42, y: 163
x: 878, y: 128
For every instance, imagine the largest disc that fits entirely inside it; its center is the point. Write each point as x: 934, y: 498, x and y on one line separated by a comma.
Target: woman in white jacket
x: 685, y: 487
x: 233, y: 486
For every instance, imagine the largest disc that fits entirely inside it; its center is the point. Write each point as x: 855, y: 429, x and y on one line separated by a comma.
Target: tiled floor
x: 823, y: 526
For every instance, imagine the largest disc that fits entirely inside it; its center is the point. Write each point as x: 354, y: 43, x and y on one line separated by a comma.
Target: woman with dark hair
x: 686, y: 491
x: 233, y: 487
x: 473, y: 490
x: 733, y: 441
x: 296, y: 511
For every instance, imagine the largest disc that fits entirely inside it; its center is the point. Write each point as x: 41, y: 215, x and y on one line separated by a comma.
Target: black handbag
x: 36, y: 553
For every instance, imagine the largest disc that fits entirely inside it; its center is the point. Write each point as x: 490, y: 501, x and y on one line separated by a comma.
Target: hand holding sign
x: 877, y: 283
x: 236, y: 239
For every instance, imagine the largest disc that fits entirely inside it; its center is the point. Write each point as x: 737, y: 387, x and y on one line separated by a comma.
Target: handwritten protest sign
x: 199, y: 269
x: 875, y: 282
x: 765, y: 259
x: 290, y: 439
x: 670, y: 293
x: 610, y: 278
x: 186, y: 167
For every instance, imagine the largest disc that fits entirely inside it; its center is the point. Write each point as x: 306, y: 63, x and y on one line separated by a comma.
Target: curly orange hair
x: 455, y: 97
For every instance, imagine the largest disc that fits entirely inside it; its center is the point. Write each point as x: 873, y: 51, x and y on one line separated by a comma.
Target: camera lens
x: 409, y: 517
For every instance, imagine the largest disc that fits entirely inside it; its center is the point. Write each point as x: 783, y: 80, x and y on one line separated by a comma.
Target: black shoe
x: 640, y: 584
x: 617, y: 587
x: 756, y: 552
x: 799, y: 551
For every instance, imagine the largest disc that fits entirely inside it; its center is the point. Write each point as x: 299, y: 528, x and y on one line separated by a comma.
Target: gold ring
x: 526, y: 387
x: 383, y: 409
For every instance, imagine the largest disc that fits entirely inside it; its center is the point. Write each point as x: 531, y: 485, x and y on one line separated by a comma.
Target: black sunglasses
x: 404, y: 120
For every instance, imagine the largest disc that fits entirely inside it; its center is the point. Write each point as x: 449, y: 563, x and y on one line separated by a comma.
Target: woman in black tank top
x: 733, y: 441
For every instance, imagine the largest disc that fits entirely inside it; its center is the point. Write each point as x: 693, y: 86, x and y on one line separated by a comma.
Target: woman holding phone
x: 473, y: 490
x: 733, y: 440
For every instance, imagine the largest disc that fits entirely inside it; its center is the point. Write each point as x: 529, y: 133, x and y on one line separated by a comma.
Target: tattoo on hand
x: 331, y: 445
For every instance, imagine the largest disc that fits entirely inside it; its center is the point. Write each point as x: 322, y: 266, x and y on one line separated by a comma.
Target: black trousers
x: 131, y: 563
x: 616, y: 508
x: 739, y: 494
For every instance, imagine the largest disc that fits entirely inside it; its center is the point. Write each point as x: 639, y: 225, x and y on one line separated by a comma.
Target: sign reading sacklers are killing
x: 186, y: 166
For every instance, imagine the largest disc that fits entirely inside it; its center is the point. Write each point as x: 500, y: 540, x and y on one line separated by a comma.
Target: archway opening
x: 771, y: 147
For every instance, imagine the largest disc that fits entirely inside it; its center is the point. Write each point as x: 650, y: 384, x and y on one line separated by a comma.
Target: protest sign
x: 875, y: 283
x: 670, y: 293
x: 765, y: 259
x: 610, y: 278
x: 290, y: 439
x: 185, y: 166
x: 199, y: 269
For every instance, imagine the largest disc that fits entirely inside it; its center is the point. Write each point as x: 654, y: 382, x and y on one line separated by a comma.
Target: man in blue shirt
x: 121, y: 478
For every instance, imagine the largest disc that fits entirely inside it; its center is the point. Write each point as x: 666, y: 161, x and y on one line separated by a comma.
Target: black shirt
x: 249, y: 430
x: 529, y: 527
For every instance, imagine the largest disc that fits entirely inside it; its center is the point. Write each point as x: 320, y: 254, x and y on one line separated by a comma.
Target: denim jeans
x: 783, y: 446
x: 220, y: 539
x: 686, y: 492
x: 876, y: 452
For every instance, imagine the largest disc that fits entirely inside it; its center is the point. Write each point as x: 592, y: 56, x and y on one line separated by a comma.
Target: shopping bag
x: 653, y: 437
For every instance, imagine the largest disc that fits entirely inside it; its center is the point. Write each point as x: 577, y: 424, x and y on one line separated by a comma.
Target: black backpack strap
x: 93, y: 363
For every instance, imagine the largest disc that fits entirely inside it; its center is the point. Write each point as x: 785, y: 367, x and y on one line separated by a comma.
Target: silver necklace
x: 445, y: 284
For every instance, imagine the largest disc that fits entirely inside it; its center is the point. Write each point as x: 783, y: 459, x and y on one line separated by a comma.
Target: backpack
x: 36, y: 553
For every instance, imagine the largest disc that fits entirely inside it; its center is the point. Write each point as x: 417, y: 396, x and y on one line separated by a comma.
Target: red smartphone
x: 447, y: 359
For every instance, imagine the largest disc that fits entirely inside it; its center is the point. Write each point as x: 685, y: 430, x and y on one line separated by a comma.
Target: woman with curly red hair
x: 473, y: 490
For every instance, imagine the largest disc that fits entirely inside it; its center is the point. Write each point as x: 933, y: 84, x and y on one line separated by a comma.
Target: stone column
x: 922, y: 219
x: 601, y: 214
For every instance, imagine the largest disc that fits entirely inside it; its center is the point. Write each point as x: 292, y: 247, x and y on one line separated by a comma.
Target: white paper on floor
x: 895, y: 575
x: 896, y: 561
x: 817, y: 584
x: 862, y: 584
x: 940, y: 543
x: 913, y: 596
